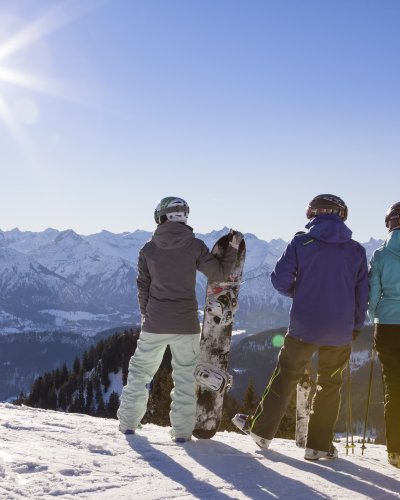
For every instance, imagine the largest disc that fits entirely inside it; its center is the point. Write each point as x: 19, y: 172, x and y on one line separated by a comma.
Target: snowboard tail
x: 303, y: 406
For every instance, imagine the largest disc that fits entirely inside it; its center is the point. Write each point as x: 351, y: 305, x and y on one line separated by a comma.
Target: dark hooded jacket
x: 326, y: 274
x: 167, y: 278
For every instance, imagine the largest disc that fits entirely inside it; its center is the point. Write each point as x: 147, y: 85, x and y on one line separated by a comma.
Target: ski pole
x: 363, y: 447
x: 349, y: 419
x: 349, y: 411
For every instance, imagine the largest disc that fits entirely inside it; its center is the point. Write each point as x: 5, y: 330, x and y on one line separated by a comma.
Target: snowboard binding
x: 212, y: 378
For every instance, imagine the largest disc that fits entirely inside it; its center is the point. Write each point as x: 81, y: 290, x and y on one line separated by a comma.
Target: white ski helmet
x: 171, y: 208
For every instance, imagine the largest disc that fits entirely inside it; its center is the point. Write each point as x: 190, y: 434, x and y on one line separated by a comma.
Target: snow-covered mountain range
x: 60, y: 280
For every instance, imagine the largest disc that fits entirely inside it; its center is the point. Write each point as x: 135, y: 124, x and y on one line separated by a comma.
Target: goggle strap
x: 170, y: 210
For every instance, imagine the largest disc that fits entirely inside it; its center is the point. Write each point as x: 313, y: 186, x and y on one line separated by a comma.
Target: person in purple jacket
x: 325, y: 272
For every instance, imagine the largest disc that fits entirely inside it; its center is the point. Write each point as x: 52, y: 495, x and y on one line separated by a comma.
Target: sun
x: 24, y: 108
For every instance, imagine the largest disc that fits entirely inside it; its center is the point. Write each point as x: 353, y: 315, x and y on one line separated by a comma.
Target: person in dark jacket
x: 384, y: 311
x: 325, y: 272
x: 166, y: 290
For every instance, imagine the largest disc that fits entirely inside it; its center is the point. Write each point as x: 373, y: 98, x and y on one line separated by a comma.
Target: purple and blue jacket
x: 326, y: 274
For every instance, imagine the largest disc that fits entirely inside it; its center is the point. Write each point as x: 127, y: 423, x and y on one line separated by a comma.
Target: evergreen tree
x: 103, y: 372
x: 160, y: 399
x: 62, y: 402
x: 101, y: 407
x: 129, y: 343
x: 77, y: 366
x: 113, y: 405
x: 231, y: 407
x: 64, y: 374
x: 89, y: 397
x: 57, y: 378
x: 79, y: 400
x: 48, y: 396
x: 250, y: 399
x: 89, y: 357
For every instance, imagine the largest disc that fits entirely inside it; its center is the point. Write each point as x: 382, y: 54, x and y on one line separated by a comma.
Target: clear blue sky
x: 245, y: 108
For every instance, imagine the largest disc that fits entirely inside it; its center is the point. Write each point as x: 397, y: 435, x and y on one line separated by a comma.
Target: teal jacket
x: 384, y: 282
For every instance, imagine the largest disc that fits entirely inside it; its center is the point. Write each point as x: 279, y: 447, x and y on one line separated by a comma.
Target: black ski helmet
x: 327, y: 204
x: 392, y: 219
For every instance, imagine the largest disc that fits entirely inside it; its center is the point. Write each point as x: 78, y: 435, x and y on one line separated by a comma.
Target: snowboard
x: 303, y: 406
x: 211, y: 373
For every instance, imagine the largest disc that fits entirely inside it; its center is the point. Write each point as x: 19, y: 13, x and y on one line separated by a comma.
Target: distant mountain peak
x: 68, y: 234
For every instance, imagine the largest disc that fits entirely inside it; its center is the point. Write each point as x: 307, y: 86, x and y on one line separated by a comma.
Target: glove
x: 356, y: 333
x: 236, y: 238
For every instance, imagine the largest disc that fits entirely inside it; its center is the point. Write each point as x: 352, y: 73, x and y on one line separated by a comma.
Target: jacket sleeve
x: 375, y: 286
x: 361, y: 291
x: 143, y: 283
x: 283, y: 277
x: 216, y: 269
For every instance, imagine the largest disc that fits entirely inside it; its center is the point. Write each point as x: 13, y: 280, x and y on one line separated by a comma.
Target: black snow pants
x: 387, y: 344
x: 292, y: 361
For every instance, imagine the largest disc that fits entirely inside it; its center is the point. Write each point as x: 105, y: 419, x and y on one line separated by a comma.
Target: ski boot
x: 394, y: 459
x: 127, y: 432
x: 311, y: 454
x: 243, y: 423
x: 181, y: 440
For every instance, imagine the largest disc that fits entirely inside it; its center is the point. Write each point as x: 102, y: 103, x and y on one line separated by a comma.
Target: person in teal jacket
x: 384, y: 310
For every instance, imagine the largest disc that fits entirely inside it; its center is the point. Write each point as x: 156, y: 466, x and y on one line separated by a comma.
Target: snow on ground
x: 45, y: 454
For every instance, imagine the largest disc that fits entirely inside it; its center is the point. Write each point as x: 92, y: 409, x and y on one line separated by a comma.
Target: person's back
x: 328, y: 267
x: 385, y: 282
x: 325, y: 272
x: 167, y: 278
x: 384, y: 310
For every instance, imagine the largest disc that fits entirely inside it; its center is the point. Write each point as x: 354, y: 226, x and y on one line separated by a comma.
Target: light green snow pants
x: 143, y: 365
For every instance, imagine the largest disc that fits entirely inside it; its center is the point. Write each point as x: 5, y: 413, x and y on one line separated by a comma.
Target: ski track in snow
x: 46, y: 454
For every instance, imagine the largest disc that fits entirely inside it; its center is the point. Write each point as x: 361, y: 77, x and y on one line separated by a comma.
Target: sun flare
x: 22, y: 107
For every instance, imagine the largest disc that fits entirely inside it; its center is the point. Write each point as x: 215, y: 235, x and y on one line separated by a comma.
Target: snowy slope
x: 44, y: 454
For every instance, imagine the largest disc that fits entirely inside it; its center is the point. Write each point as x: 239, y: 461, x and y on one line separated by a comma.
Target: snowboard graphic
x: 211, y: 372
x: 303, y: 405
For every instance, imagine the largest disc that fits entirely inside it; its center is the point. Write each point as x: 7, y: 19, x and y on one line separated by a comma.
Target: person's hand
x: 236, y: 238
x: 142, y: 318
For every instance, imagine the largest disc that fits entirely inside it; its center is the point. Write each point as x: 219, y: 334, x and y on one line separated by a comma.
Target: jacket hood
x: 329, y: 228
x: 172, y: 235
x: 393, y: 242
